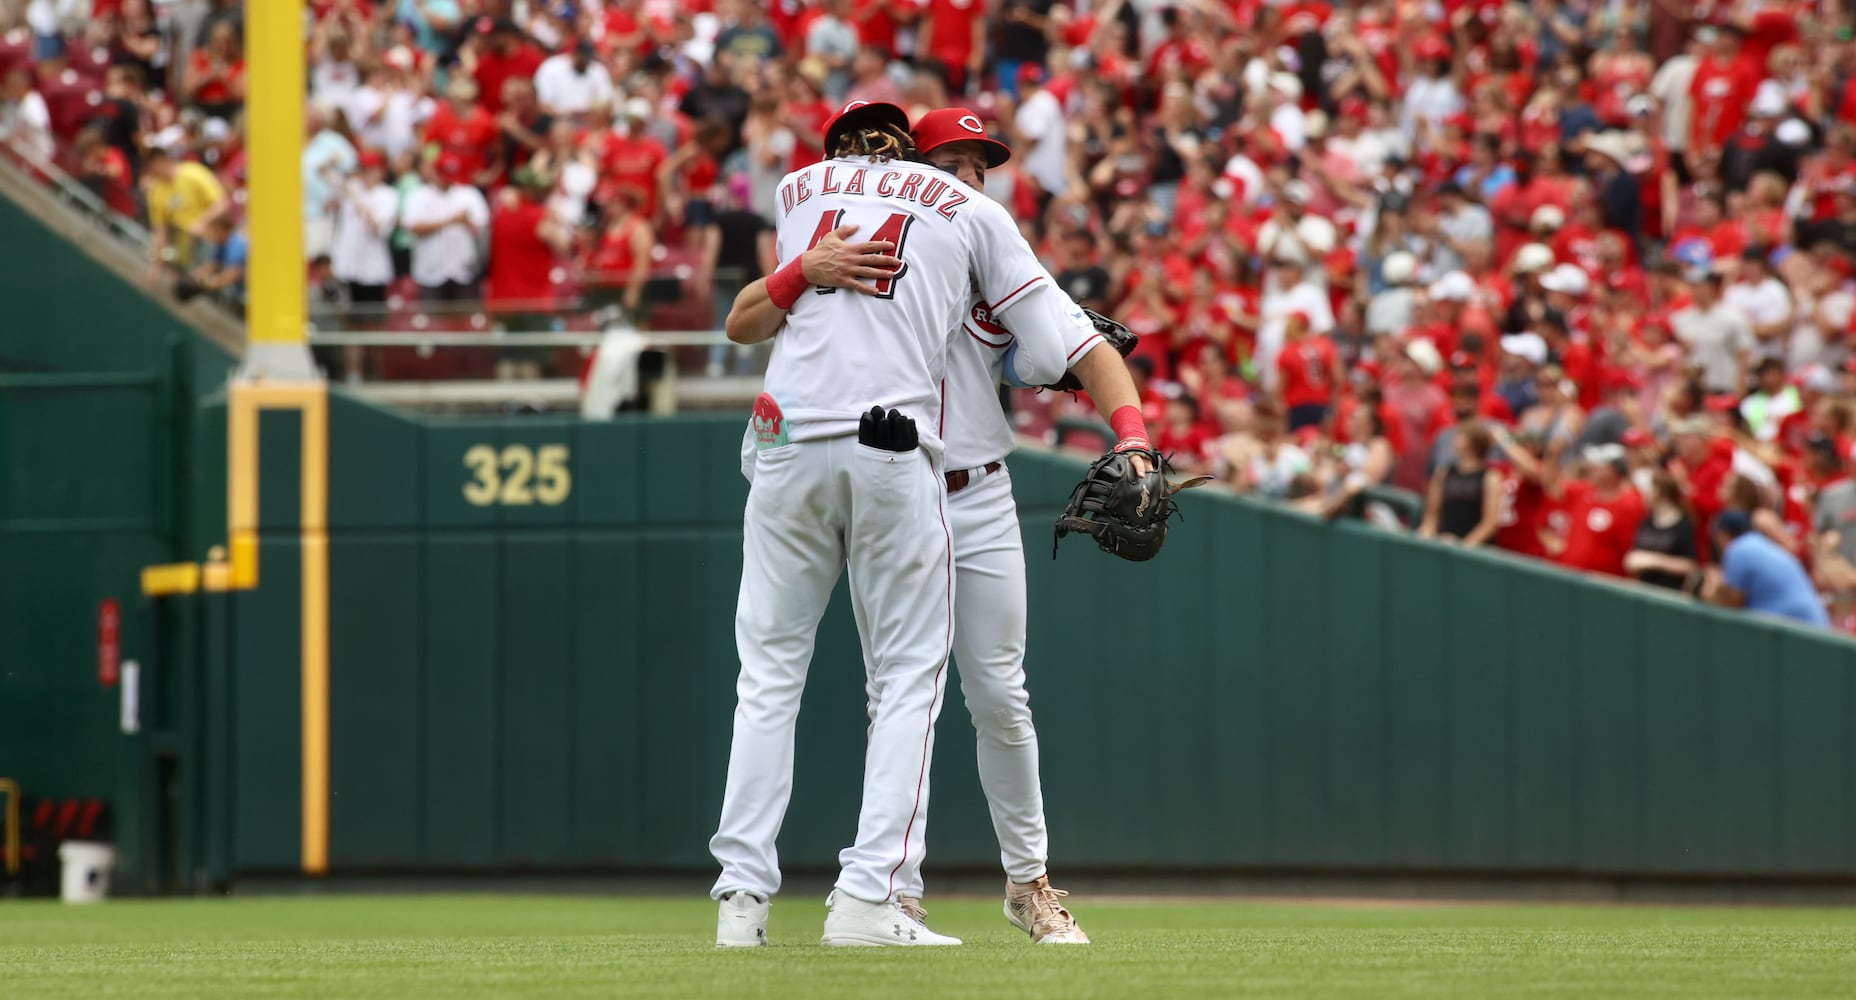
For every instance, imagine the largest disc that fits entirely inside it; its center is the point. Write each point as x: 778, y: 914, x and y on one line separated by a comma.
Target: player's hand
x: 1142, y: 465
x: 835, y: 263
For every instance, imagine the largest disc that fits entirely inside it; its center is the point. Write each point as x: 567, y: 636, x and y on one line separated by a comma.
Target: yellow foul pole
x: 276, y: 304
x: 277, y: 351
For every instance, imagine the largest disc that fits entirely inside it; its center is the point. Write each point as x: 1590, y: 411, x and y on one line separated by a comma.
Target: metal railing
x: 500, y: 338
x: 74, y: 192
x: 666, y: 391
x: 578, y: 293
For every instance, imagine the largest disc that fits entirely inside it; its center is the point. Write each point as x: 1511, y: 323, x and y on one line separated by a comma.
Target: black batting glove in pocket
x: 887, y: 431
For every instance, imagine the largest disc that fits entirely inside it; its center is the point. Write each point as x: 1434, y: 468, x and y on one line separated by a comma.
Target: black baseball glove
x: 1118, y: 336
x: 1123, y: 510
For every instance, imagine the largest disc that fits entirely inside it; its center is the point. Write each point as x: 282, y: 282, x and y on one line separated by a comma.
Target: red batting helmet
x: 945, y: 125
x: 863, y: 114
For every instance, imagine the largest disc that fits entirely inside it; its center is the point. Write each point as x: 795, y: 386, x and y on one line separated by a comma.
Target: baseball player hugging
x: 902, y: 339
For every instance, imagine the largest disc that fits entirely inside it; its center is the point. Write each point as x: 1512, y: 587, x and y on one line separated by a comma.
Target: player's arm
x: 753, y: 319
x: 761, y: 307
x: 1105, y: 378
x: 1023, y: 297
x: 1041, y: 318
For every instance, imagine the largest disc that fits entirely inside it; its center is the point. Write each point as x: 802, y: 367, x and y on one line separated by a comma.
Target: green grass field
x: 518, y: 946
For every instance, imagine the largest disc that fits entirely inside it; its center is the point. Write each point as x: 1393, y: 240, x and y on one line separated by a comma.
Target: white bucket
x: 86, y: 870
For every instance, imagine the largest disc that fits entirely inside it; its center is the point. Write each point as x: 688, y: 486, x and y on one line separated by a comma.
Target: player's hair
x: 883, y: 142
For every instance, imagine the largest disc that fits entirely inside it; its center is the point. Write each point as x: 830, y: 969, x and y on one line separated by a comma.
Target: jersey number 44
x: 895, y: 230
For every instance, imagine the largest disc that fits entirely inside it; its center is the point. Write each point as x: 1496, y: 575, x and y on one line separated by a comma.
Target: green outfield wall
x: 532, y: 667
x: 96, y: 443
x: 530, y: 658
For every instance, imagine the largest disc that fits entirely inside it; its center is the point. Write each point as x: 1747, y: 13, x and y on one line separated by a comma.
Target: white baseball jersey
x: 977, y: 429
x: 363, y: 226
x: 843, y: 352
x: 448, y: 254
x: 569, y: 92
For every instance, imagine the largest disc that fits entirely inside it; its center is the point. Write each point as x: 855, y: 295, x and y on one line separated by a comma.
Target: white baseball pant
x: 989, y: 653
x: 813, y: 506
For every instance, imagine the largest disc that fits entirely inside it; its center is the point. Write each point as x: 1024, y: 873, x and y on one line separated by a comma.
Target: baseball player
x: 989, y: 562
x: 847, y: 467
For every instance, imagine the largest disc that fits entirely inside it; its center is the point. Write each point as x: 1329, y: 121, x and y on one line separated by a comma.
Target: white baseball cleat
x: 1036, y: 908
x: 853, y: 923
x: 741, y: 921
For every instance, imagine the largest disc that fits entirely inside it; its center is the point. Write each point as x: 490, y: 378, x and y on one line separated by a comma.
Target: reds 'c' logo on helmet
x: 971, y: 124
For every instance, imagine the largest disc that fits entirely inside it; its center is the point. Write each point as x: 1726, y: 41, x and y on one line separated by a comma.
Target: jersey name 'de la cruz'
x: 842, y: 351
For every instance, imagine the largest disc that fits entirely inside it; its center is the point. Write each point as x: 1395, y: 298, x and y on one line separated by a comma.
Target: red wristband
x: 786, y: 285
x: 1128, y: 426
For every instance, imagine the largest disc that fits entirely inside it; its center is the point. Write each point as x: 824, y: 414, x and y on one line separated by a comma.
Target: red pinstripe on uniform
x: 999, y: 306
x: 1093, y: 340
x: 947, y: 650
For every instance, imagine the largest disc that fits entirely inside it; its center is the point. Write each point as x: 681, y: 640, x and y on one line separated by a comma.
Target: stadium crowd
x: 1577, y: 272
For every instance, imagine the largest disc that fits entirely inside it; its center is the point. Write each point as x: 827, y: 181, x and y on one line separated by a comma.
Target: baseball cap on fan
x: 1455, y: 286
x: 944, y: 125
x: 863, y: 114
x: 1567, y: 278
x: 1613, y: 455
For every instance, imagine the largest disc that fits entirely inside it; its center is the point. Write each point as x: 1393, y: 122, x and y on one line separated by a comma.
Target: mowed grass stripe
x: 522, y: 946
